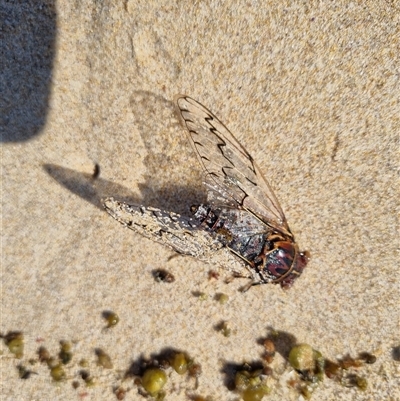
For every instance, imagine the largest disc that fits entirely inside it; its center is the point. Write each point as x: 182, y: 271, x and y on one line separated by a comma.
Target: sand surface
x: 311, y: 89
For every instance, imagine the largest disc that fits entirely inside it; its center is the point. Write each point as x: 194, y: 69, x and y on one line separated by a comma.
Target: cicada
x: 241, y: 226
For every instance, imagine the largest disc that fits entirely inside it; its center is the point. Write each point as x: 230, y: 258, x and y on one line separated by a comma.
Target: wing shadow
x: 95, y: 189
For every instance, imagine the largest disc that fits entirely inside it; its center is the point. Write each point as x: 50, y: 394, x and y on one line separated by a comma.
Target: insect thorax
x: 236, y: 229
x: 273, y: 257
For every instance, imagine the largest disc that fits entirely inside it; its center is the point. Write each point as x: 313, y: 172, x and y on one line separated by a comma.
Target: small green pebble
x: 222, y: 298
x: 65, y: 346
x: 180, y: 363
x: 103, y: 359
x: 111, y: 318
x: 242, y: 380
x: 15, y: 343
x: 58, y: 373
x: 302, y: 357
x: 84, y: 374
x: 195, y: 369
x: 153, y: 380
x: 90, y: 382
x: 52, y: 362
x: 120, y: 393
x: 319, y: 366
x: 65, y: 353
x: 254, y: 381
x: 254, y: 393
x: 83, y: 363
x: 16, y: 347
x: 361, y: 383
x: 44, y: 354
x: 225, y: 329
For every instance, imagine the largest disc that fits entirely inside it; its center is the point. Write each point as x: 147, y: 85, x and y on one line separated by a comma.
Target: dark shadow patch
x: 282, y: 341
x: 396, y: 353
x: 96, y: 171
x: 162, y: 276
x: 95, y: 190
x: 229, y: 369
x: 27, y: 38
x: 156, y: 360
x: 88, y: 188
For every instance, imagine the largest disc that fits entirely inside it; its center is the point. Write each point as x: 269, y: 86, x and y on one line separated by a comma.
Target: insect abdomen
x: 239, y: 232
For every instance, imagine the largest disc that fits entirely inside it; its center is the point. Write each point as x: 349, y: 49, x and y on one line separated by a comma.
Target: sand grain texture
x: 312, y: 92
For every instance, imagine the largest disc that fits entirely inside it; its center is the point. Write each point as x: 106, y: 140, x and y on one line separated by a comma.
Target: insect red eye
x: 280, y: 262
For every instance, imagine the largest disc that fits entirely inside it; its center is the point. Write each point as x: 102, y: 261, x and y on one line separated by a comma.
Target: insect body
x: 242, y: 222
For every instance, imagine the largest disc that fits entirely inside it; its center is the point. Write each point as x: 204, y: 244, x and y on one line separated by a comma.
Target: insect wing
x: 179, y: 233
x: 231, y: 176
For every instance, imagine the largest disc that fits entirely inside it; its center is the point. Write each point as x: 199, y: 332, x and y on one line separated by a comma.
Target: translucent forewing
x: 231, y: 176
